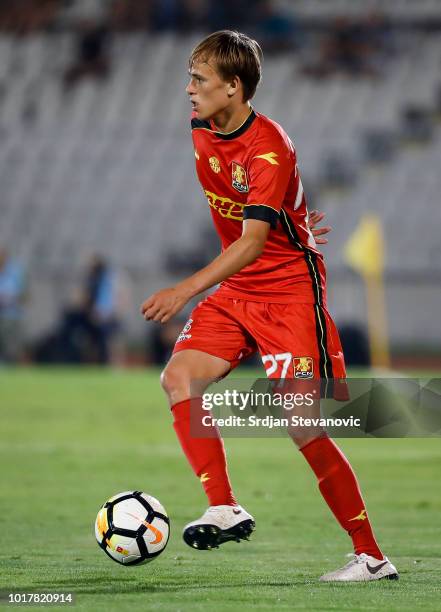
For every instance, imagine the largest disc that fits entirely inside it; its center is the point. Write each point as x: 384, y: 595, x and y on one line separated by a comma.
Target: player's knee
x: 175, y: 381
x: 297, y: 437
x: 302, y: 438
x: 169, y: 378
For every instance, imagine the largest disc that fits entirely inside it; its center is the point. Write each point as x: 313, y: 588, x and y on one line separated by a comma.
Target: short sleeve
x: 269, y: 174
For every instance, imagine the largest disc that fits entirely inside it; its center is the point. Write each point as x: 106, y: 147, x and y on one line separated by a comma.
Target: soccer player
x: 271, y: 296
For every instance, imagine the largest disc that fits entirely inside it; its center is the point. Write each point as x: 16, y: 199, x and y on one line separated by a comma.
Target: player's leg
x: 184, y: 380
x: 190, y: 370
x: 307, y: 334
x: 339, y: 487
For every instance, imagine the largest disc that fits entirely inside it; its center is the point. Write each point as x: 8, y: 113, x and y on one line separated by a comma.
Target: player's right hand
x: 162, y: 305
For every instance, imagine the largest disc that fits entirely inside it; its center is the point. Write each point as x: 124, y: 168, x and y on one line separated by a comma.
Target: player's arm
x: 161, y: 306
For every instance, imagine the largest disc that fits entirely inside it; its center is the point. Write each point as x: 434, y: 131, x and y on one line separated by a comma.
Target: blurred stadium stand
x: 402, y: 10
x: 107, y: 166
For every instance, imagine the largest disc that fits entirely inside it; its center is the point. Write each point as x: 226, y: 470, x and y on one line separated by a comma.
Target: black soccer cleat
x: 219, y: 524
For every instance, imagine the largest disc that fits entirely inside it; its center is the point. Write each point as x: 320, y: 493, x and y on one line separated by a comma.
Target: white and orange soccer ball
x: 132, y: 528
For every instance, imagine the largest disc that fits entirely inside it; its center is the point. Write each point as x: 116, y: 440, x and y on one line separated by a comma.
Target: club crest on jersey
x: 214, y: 164
x: 239, y: 177
x: 303, y: 367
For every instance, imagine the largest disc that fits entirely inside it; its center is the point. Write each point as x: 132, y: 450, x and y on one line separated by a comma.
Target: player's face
x: 209, y: 94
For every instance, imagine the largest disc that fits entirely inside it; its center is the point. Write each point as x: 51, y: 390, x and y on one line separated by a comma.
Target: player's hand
x: 315, y: 217
x: 162, y: 305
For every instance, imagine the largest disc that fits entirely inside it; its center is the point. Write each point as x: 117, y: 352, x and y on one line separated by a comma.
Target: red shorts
x: 294, y: 340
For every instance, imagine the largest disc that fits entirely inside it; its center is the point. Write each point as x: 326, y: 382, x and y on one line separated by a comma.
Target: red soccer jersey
x: 251, y: 173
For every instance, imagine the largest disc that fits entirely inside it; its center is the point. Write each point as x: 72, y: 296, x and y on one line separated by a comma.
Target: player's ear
x: 233, y: 86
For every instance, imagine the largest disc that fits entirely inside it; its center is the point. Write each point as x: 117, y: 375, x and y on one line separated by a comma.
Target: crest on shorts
x: 185, y: 335
x: 303, y: 367
x: 239, y: 177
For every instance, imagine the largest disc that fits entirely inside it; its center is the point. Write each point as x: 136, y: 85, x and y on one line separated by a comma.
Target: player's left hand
x: 162, y: 305
x: 315, y: 217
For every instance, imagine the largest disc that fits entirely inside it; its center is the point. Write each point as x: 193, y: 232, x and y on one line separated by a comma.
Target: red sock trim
x: 313, y: 441
x: 181, y: 409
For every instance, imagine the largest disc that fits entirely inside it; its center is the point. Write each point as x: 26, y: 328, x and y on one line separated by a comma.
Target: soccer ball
x: 132, y: 528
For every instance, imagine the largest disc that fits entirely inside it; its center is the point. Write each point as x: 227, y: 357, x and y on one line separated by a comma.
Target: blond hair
x: 234, y: 54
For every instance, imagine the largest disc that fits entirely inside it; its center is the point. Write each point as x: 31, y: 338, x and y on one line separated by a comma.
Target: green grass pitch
x: 72, y: 438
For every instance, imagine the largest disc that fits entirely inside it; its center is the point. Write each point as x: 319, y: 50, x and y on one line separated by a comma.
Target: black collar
x: 198, y: 123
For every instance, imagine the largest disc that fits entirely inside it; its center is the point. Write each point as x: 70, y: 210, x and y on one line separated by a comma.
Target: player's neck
x: 230, y: 119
